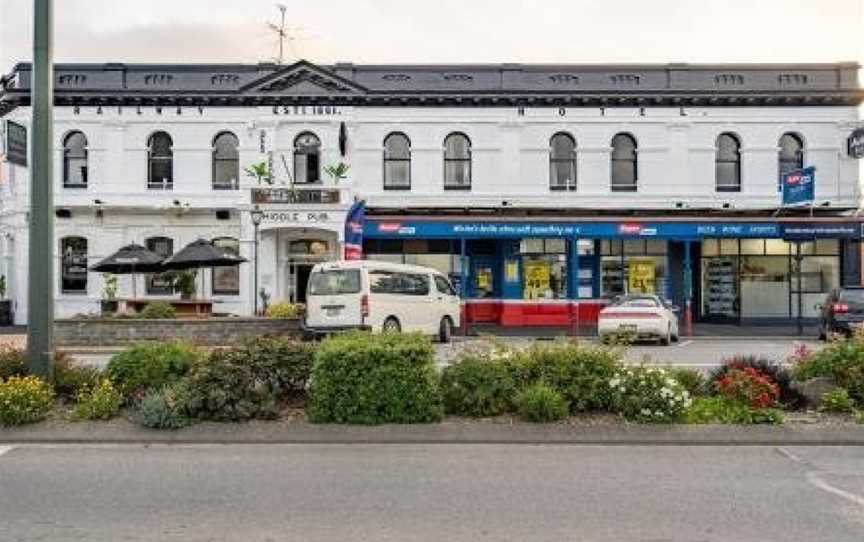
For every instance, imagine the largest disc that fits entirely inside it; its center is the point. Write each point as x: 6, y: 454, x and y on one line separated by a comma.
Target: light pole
x: 40, y: 298
x: 257, y: 215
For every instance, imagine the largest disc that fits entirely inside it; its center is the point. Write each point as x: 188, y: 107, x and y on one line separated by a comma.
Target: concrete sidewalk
x: 448, y: 432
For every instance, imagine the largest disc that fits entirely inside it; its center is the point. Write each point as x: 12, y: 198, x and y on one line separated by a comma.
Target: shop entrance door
x: 298, y: 281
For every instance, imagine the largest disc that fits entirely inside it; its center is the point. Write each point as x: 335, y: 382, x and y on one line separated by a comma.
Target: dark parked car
x: 842, y: 312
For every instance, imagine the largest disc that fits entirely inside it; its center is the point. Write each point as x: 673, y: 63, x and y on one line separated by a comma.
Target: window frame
x: 571, y: 160
x: 799, y: 158
x: 617, y: 186
x: 149, y: 278
x: 66, y: 291
x: 67, y: 158
x: 387, y: 160
x: 214, y: 160
x: 301, y: 151
x: 153, y: 159
x: 468, y: 160
x: 718, y: 187
x: 235, y: 268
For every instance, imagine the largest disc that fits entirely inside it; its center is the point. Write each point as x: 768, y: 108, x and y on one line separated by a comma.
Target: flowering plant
x: 749, y: 386
x: 648, y: 395
x: 24, y: 400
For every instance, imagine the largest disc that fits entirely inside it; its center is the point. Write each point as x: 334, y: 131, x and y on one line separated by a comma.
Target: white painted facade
x: 510, y: 168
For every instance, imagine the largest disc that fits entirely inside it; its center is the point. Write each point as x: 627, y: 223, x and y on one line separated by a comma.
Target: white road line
x: 4, y: 449
x: 685, y: 343
x: 813, y: 478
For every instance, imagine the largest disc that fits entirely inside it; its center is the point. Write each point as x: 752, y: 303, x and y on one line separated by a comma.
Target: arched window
x: 457, y: 162
x: 160, y: 283
x: 226, y: 161
x: 160, y: 162
x: 75, y: 160
x: 791, y: 154
x: 73, y: 265
x: 226, y: 280
x: 562, y: 162
x: 624, y: 165
x: 727, y: 175
x: 397, y: 162
x: 307, y: 158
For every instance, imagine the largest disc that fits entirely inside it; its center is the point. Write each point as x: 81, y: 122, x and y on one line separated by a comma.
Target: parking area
x: 699, y: 353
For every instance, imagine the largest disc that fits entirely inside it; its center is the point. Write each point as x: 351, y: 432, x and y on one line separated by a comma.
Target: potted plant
x: 5, y: 304
x: 338, y: 172
x: 184, y: 283
x: 109, y: 295
x: 260, y: 172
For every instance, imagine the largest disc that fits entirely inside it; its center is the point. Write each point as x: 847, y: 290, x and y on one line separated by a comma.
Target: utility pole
x: 40, y: 328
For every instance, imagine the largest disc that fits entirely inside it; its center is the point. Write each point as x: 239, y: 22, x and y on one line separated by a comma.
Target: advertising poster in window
x: 641, y: 276
x: 537, y: 280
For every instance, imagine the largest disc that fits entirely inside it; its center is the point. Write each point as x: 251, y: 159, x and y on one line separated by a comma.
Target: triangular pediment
x: 303, y: 78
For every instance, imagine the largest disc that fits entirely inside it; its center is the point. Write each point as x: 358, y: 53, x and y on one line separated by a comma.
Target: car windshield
x: 335, y: 282
x: 637, y: 302
x: 852, y: 296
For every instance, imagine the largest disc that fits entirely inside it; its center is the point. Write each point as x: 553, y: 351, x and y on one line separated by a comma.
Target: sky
x: 444, y: 31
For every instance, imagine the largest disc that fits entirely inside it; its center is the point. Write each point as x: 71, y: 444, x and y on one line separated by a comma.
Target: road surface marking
x: 813, y: 478
x: 4, y: 449
x: 685, y: 343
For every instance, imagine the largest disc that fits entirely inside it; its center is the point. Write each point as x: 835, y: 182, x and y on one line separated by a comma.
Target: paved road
x: 436, y: 492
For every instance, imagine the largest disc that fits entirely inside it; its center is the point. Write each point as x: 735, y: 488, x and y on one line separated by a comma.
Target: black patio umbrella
x: 130, y: 260
x: 201, y: 254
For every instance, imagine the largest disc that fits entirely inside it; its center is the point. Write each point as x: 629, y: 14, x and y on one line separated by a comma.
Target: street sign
x: 855, y: 144
x: 799, y: 186
x: 16, y: 143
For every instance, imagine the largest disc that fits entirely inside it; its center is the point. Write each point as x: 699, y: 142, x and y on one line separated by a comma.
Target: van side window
x: 389, y: 282
x: 443, y: 286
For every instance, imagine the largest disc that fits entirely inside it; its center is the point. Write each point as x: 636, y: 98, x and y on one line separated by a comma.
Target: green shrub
x: 648, y: 395
x: 580, y: 374
x: 251, y: 381
x: 541, y: 403
x: 837, y: 401
x: 384, y: 378
x: 776, y: 373
x: 13, y: 362
x: 692, y: 380
x: 24, y: 399
x: 860, y: 417
x: 728, y: 411
x: 71, y: 378
x: 99, y: 403
x: 158, y: 310
x: 843, y: 361
x: 150, y: 365
x: 170, y: 407
x: 284, y: 310
x: 478, y: 387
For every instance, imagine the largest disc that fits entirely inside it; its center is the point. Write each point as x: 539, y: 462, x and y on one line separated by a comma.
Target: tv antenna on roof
x: 285, y: 34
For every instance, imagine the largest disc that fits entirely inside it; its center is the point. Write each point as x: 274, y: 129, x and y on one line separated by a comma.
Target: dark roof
x: 304, y: 83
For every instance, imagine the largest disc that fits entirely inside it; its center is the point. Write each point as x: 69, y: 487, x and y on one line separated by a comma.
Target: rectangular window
x: 397, y: 283
x: 73, y: 271
x: 397, y: 174
x: 160, y: 283
x: 457, y: 173
x: 544, y: 277
x: 226, y: 280
x: 335, y: 282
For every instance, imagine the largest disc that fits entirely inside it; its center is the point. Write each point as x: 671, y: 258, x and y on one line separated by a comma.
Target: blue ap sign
x: 799, y: 186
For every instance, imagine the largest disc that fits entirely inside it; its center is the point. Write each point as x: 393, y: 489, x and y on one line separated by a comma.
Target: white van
x: 382, y: 297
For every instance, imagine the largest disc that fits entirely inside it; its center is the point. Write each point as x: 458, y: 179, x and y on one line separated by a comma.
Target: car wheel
x: 445, y: 330
x: 667, y: 338
x: 391, y: 325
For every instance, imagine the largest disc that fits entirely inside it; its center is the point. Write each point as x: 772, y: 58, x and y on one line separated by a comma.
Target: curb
x: 276, y: 433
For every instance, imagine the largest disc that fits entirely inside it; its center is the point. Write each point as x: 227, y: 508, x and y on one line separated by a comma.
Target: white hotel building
x: 540, y: 189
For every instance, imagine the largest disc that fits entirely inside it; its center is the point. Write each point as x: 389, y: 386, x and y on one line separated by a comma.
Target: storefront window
x: 634, y: 266
x: 764, y: 286
x: 544, y: 268
x: 160, y: 284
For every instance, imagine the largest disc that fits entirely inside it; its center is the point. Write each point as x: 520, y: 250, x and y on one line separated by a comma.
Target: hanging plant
x: 260, y: 172
x: 337, y: 172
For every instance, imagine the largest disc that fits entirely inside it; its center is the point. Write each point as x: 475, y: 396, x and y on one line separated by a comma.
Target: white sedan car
x: 645, y: 316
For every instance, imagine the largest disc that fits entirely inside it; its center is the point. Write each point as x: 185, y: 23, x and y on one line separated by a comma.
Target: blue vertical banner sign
x: 354, y: 231
x: 799, y: 186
